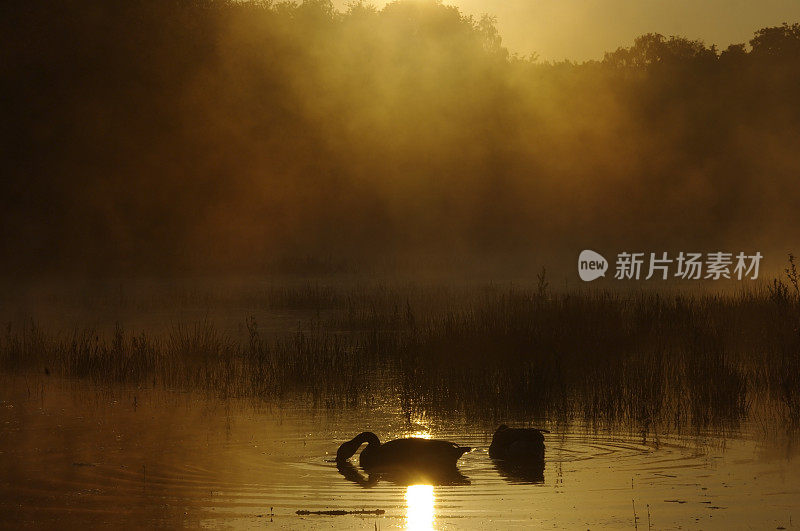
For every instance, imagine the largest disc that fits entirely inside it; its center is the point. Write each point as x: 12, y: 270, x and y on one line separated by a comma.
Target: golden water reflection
x: 419, y: 507
x: 178, y: 460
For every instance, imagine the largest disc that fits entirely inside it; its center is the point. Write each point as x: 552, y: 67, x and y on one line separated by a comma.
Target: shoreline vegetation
x: 654, y: 362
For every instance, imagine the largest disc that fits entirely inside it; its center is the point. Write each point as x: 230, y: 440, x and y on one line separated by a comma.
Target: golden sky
x: 585, y: 29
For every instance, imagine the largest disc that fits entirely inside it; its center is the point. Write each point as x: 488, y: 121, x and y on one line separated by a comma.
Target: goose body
x: 410, y: 453
x: 517, y: 444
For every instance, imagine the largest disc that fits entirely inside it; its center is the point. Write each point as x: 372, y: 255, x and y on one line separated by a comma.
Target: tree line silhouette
x: 150, y: 136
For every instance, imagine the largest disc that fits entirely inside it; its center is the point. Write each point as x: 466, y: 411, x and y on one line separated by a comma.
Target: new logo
x: 591, y: 265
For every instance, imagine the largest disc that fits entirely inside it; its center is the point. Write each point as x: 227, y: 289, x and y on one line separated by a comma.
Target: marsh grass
x: 652, y: 361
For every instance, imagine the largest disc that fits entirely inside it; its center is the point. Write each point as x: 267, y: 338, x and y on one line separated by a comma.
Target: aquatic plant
x: 655, y: 361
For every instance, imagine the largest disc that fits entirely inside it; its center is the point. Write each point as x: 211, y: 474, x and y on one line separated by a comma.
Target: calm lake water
x: 72, y: 454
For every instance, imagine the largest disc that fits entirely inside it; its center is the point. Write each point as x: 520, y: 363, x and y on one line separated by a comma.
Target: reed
x: 655, y: 361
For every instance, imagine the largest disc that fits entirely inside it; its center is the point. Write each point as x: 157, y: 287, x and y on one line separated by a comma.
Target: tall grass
x: 652, y: 361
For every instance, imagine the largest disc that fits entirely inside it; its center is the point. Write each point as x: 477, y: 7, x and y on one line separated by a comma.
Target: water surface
x: 72, y: 454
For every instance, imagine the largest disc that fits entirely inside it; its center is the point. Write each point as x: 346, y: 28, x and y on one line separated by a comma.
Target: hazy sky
x: 585, y: 29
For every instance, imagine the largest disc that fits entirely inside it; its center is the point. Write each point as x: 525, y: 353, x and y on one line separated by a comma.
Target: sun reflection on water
x: 419, y: 502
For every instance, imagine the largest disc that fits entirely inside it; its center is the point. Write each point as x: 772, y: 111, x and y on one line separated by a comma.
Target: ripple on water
x: 71, y: 461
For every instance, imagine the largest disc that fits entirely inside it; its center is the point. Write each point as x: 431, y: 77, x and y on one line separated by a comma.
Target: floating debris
x: 340, y: 512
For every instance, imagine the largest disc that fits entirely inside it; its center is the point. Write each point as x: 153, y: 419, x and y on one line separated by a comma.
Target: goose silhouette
x: 409, y: 454
x: 517, y: 444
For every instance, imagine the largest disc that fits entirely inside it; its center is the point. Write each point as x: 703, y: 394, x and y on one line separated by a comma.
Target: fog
x: 581, y: 30
x: 152, y: 137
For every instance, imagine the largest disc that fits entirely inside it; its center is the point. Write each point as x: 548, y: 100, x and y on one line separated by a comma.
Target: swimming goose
x: 401, y: 453
x: 517, y: 444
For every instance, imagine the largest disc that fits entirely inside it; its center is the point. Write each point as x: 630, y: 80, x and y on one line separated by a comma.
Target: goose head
x: 349, y: 448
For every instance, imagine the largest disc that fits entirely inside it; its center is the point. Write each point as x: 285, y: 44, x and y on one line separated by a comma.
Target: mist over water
x: 234, y: 235
x: 217, y: 137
